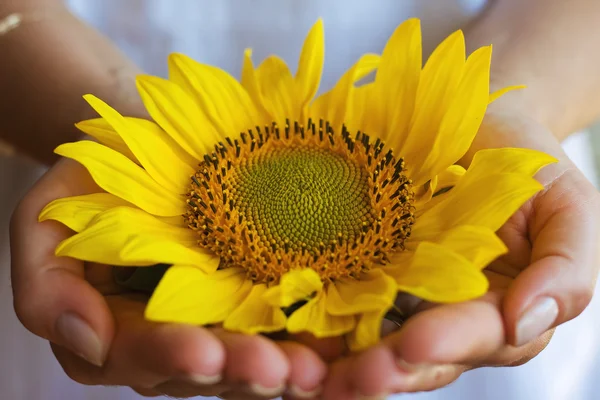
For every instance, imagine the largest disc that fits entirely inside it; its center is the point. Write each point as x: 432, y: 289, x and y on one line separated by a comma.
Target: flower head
x: 280, y: 212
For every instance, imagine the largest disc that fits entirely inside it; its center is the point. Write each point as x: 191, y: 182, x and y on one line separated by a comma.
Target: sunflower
x: 278, y: 211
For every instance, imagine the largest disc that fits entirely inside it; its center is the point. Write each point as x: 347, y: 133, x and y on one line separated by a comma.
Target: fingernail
x: 204, y: 380
x: 537, y: 319
x: 295, y: 391
x: 80, y: 338
x: 262, y: 391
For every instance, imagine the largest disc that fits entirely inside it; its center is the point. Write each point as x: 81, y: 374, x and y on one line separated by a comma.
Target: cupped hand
x: 546, y: 278
x: 98, y: 333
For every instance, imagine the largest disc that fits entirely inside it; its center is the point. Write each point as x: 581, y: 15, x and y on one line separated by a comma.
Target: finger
x: 385, y: 375
x: 51, y: 297
x: 421, y: 356
x: 256, y: 364
x: 336, y: 386
x: 307, y: 371
x: 560, y: 281
x: 469, y: 334
x: 434, y: 347
x: 145, y: 354
x: 463, y: 333
x: 148, y: 355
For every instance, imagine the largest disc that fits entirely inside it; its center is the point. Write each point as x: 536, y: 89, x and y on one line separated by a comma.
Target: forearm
x: 552, y: 47
x: 48, y: 63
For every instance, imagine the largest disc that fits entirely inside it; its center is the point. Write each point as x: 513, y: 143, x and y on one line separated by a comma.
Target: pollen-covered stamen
x: 276, y: 199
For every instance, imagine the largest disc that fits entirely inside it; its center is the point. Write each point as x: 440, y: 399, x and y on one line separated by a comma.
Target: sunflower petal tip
x: 60, y: 149
x: 150, y: 313
x: 175, y: 59
x: 95, y: 102
x: 501, y: 92
x: 88, y: 96
x: 413, y: 22
x: 43, y: 215
x: 60, y: 249
x: 144, y: 79
x: 319, y: 26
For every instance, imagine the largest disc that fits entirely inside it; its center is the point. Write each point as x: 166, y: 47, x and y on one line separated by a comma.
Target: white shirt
x: 217, y: 32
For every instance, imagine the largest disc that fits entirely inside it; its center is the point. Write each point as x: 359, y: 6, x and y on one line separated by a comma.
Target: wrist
x: 48, y: 79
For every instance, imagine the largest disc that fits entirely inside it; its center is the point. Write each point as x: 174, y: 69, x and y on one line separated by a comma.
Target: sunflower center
x: 302, y: 197
x: 275, y: 200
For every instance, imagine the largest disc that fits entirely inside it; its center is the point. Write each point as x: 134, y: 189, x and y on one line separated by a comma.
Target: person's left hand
x: 546, y: 279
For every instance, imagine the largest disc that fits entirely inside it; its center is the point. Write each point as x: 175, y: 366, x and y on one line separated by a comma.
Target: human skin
x: 555, y: 233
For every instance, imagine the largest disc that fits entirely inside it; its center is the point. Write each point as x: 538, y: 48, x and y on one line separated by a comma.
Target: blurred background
x: 217, y: 32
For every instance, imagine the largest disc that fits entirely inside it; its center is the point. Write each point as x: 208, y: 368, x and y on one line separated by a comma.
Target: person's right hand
x: 100, y: 337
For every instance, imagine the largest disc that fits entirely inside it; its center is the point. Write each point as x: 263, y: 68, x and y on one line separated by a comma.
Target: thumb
x: 558, y: 284
x: 51, y: 296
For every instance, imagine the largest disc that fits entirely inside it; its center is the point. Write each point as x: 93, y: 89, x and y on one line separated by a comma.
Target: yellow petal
x: 188, y: 295
x: 396, y: 82
x: 462, y: 119
x: 367, y: 332
x: 178, y: 114
x: 314, y: 318
x: 295, y: 285
x: 76, y: 212
x: 277, y: 88
x: 335, y: 105
x: 126, y: 236
x: 361, y: 109
x: 437, y: 87
x: 152, y: 147
x: 103, y: 132
x: 478, y: 245
x: 501, y: 92
x: 449, y: 177
x: 508, y: 160
x: 438, y: 274
x: 250, y: 83
x: 486, y: 202
x: 152, y: 128
x: 373, y: 291
x: 496, y: 184
x: 424, y: 193
x: 255, y: 315
x: 439, y: 191
x: 120, y: 176
x: 221, y: 97
x: 310, y: 65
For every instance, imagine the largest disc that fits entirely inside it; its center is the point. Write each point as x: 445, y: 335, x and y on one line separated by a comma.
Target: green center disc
x: 302, y: 196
